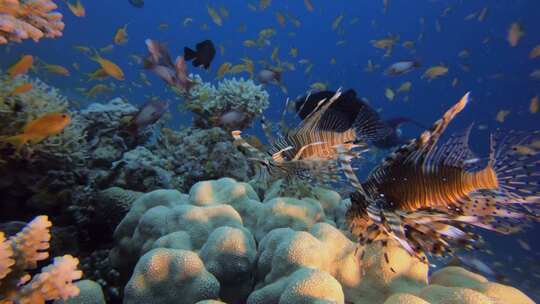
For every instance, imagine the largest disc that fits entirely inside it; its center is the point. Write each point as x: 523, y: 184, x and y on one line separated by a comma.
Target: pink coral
x: 29, y: 19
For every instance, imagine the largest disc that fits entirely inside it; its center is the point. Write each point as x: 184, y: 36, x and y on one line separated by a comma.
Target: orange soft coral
x: 29, y: 19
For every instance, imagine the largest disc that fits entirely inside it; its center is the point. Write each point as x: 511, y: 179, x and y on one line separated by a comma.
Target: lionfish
x: 426, y: 196
x: 309, y: 151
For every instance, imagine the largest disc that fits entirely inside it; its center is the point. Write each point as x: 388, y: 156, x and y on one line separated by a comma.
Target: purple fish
x: 148, y: 114
x: 159, y: 61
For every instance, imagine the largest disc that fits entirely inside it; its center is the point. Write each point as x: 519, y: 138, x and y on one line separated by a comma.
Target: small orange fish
x: 39, y: 129
x: 121, y: 35
x: 23, y: 88
x: 21, y: 67
x: 109, y: 67
x: 514, y: 34
x: 535, y: 52
x: 77, y: 9
x: 501, y: 115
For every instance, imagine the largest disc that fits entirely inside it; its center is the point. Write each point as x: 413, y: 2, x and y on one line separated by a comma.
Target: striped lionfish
x: 425, y: 196
x: 309, y: 151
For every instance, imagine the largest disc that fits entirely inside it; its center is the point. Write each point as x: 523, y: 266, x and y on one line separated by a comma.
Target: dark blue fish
x: 137, y: 3
x: 202, y: 55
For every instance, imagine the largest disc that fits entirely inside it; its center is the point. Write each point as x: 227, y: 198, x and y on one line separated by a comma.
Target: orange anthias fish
x: 109, y: 67
x: 23, y: 88
x: 514, y: 34
x: 21, y: 67
x: 121, y: 35
x: 77, y: 9
x: 39, y: 129
x: 309, y: 5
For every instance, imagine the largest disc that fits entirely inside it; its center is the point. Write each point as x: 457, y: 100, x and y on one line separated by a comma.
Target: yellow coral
x: 29, y: 19
x: 21, y: 253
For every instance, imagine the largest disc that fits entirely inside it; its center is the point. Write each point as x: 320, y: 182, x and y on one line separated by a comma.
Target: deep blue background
x: 316, y: 41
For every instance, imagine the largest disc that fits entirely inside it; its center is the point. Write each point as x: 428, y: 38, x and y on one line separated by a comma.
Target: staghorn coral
x: 210, y: 104
x: 23, y: 252
x: 29, y: 19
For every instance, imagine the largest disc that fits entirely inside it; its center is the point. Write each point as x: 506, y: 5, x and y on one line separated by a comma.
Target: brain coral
x: 299, y: 257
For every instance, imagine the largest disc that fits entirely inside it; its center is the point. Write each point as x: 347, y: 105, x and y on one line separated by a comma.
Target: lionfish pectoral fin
x: 426, y: 142
x: 304, y: 147
x: 278, y: 156
x: 455, y: 152
x: 345, y: 156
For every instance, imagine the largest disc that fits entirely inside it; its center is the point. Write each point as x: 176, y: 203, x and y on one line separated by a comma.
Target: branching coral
x: 29, y: 19
x: 21, y: 253
x: 242, y: 99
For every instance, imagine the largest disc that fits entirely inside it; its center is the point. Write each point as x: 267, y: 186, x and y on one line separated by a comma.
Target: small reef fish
x: 429, y: 191
x: 501, y: 115
x: 370, y: 67
x: 107, y: 49
x: 319, y: 86
x: 121, y: 35
x: 535, y: 74
x: 21, y: 67
x: 77, y: 9
x: 232, y: 118
x: 202, y: 55
x: 263, y: 4
x: 267, y: 76
x: 514, y: 34
x: 216, y: 18
x: 98, y: 74
x: 224, y: 11
x: 56, y: 69
x: 405, y: 87
x: 109, y: 67
x: 83, y: 49
x: 524, y: 244
x: 280, y: 18
x: 482, y: 15
x: 159, y: 61
x: 337, y: 22
x: 389, y: 93
x: 148, y: 115
x: 434, y: 72
x: 223, y: 69
x: 535, y: 52
x: 96, y: 90
x: 534, y: 105
x: 23, y: 88
x: 402, y: 67
x: 39, y: 129
x: 136, y: 3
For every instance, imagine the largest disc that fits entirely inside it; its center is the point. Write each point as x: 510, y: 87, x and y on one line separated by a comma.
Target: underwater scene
x: 259, y: 151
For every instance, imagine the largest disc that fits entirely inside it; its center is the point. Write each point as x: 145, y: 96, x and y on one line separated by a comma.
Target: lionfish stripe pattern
x: 425, y: 196
x: 308, y: 151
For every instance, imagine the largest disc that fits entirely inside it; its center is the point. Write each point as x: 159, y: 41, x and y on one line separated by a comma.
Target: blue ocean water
x: 496, y: 73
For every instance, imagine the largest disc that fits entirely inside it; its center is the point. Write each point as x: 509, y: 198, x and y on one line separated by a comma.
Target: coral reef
x: 29, y: 19
x: 21, y: 253
x: 90, y: 293
x: 193, y: 155
x: 241, y: 99
x: 283, y: 250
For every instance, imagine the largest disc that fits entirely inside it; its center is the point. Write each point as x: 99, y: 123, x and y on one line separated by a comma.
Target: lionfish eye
x: 64, y: 115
